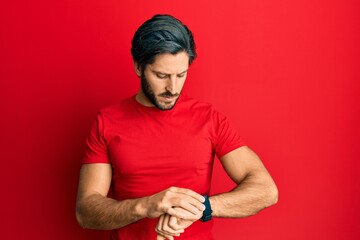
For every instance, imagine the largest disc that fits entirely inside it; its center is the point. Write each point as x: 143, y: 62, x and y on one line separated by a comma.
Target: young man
x: 156, y: 151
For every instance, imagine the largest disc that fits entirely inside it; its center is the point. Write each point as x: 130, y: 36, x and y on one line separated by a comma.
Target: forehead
x: 170, y: 63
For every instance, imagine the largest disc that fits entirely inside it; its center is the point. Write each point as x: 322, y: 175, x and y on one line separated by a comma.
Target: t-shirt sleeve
x: 227, y: 137
x: 96, y: 148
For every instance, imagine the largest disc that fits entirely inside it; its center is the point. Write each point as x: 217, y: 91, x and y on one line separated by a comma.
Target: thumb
x: 158, y: 237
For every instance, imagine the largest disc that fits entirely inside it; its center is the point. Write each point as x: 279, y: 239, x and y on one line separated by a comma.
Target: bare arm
x: 95, y: 210
x: 256, y: 189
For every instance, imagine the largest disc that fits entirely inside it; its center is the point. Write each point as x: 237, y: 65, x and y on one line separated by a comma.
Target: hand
x: 178, y: 202
x: 166, y: 227
x: 170, y: 226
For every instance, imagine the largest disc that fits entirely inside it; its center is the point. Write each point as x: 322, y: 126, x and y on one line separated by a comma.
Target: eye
x: 161, y: 76
x: 181, y: 75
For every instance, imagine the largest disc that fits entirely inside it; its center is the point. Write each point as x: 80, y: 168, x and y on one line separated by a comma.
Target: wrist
x: 213, y: 203
x: 207, y: 214
x: 140, y: 208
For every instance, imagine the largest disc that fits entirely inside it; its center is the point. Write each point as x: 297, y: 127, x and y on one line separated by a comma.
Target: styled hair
x: 161, y: 34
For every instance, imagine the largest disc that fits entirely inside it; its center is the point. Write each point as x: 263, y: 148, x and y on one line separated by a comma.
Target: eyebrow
x: 158, y: 72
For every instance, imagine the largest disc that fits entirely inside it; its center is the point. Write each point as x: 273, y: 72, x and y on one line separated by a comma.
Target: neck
x: 142, y: 99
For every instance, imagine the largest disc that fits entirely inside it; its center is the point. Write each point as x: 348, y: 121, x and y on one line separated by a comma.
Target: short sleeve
x: 227, y: 137
x: 96, y: 148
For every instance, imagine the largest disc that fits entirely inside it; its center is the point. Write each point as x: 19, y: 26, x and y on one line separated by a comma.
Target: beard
x: 149, y: 93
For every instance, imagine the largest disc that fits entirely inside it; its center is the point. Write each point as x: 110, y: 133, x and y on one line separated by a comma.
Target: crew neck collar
x: 155, y: 109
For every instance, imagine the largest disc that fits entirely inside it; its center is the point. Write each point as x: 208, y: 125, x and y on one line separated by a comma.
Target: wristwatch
x: 207, y: 212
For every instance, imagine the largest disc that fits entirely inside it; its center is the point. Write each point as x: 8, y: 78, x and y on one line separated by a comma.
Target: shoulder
x: 196, y: 105
x: 203, y: 109
x: 118, y: 108
x: 117, y: 111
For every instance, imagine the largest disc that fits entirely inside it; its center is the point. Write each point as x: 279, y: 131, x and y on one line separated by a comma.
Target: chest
x: 141, y: 148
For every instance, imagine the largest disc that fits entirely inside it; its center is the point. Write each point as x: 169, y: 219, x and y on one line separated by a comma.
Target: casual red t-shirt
x: 151, y: 150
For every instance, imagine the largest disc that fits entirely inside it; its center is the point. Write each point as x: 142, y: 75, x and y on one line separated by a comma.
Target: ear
x: 137, y: 69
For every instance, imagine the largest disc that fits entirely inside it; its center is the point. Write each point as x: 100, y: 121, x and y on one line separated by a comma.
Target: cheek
x: 154, y: 84
x: 158, y: 87
x: 181, y: 82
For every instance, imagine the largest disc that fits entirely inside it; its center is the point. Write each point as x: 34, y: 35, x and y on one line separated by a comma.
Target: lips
x: 168, y: 94
x: 169, y: 98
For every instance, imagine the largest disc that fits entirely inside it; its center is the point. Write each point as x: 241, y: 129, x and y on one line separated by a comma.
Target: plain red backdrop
x: 285, y: 72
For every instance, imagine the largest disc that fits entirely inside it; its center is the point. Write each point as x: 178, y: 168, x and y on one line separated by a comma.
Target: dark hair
x: 161, y: 34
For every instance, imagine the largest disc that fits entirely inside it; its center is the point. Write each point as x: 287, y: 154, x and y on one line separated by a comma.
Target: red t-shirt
x: 151, y: 150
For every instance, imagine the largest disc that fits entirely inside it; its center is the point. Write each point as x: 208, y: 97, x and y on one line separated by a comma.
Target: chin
x: 166, y: 107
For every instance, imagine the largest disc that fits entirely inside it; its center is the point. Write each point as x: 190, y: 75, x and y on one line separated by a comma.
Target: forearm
x: 253, y: 194
x: 99, y: 212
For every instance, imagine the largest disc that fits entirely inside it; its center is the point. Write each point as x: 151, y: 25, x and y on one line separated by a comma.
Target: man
x: 155, y: 152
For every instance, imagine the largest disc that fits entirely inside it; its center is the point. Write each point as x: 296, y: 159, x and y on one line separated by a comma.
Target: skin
x: 255, y: 191
x: 176, y: 208
x: 95, y: 210
x: 165, y: 80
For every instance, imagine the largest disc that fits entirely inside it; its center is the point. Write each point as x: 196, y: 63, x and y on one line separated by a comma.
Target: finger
x: 181, y: 197
x: 164, y: 226
x: 164, y: 230
x: 182, y: 213
x: 160, y: 224
x: 192, y: 206
x: 187, y: 203
x: 173, y: 223
x: 194, y: 216
x: 159, y: 237
x: 188, y: 192
x: 167, y: 229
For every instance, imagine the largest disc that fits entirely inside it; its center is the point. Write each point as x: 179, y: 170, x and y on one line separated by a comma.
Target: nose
x: 171, y: 85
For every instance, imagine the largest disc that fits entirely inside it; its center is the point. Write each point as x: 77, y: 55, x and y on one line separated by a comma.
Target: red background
x: 286, y: 73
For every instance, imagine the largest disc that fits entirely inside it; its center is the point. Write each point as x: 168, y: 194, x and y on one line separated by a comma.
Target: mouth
x: 166, y: 100
x: 169, y: 97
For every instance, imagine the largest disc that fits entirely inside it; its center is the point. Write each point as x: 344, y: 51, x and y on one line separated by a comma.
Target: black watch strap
x: 207, y: 214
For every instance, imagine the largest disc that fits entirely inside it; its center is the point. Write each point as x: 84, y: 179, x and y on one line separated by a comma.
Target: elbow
x: 80, y: 217
x: 272, y: 195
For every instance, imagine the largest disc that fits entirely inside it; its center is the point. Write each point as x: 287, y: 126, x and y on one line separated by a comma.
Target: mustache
x: 168, y: 94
